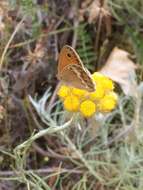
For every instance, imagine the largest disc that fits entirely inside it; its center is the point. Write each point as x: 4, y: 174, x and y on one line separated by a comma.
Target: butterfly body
x: 72, y: 72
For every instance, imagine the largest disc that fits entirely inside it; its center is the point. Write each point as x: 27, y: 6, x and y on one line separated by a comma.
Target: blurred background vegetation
x: 100, y: 153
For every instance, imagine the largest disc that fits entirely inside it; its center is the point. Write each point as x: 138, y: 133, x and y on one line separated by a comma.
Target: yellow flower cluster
x: 103, y: 99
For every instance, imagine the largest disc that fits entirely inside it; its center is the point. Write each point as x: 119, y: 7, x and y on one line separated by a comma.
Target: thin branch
x: 42, y: 171
x: 10, y: 40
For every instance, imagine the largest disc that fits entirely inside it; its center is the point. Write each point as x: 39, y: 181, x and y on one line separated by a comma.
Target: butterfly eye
x: 69, y: 55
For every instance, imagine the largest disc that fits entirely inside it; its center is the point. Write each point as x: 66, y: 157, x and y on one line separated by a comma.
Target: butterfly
x: 72, y: 72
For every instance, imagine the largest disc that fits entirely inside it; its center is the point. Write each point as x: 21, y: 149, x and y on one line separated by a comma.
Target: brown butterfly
x: 72, y: 72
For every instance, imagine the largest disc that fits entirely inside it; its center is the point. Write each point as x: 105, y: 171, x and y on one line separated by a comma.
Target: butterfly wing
x: 72, y: 72
x: 76, y: 76
x: 68, y: 56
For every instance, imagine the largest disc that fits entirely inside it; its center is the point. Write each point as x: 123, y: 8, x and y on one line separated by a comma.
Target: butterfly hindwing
x: 76, y: 76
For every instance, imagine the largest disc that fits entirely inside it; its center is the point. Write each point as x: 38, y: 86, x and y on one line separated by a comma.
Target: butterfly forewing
x: 67, y: 57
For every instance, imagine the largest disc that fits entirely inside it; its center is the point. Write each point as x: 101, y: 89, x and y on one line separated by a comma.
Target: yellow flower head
x: 98, y: 93
x: 103, y: 80
x: 71, y: 103
x: 87, y: 108
x: 78, y: 92
x: 63, y: 91
x: 98, y: 77
x: 103, y: 99
x: 108, y: 103
x: 108, y: 84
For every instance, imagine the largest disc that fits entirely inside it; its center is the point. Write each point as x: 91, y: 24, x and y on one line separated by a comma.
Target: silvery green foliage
x: 43, y: 111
